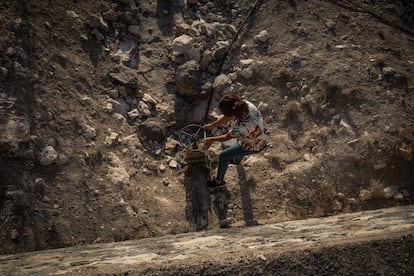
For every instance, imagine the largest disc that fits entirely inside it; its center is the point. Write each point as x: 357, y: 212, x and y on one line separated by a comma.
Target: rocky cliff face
x: 93, y: 96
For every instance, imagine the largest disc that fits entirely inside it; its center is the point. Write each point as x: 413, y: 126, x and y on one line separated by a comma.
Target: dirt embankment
x: 93, y: 95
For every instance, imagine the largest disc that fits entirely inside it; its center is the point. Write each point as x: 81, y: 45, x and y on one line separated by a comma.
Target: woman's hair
x: 232, y: 105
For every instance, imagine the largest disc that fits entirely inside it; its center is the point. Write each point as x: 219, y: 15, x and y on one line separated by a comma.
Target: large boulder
x: 221, y: 83
x: 130, y: 79
x: 187, y: 79
x: 153, y: 129
x: 183, y: 49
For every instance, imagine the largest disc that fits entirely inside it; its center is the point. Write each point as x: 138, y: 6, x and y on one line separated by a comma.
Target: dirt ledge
x: 377, y: 242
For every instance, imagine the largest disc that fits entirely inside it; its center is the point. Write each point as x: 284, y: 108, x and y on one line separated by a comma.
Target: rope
x: 380, y: 17
x: 226, y: 53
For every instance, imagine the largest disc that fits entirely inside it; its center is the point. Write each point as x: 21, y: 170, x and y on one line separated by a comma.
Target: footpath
x: 215, y: 245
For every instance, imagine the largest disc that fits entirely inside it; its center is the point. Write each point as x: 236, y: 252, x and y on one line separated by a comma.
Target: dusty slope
x: 335, y: 85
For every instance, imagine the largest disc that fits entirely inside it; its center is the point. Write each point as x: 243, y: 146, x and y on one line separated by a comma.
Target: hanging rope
x: 380, y: 17
x: 223, y: 60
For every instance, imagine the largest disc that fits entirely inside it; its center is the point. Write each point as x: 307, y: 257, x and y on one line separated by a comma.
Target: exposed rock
x: 14, y: 234
x: 188, y: 78
x: 148, y: 99
x: 352, y: 200
x: 388, y: 71
x: 218, y: 54
x: 262, y: 37
x: 221, y: 83
x: 206, y: 59
x: 96, y: 21
x: 118, y: 176
x: 117, y: 172
x: 406, y: 151
x: 183, y: 49
x: 244, y: 63
x: 365, y: 195
x: 72, y: 14
x: 97, y: 34
x: 90, y: 132
x: 311, y: 101
x: 119, y: 106
x: 390, y: 191
x: 134, y: 29
x: 14, y: 130
x: 337, y: 206
x: 128, y: 78
x: 134, y: 114
x: 143, y: 109
x: 39, y: 186
x: 330, y: 25
x: 165, y: 182
x: 47, y: 156
x: 173, y: 164
x: 45, y: 198
x: 171, y: 146
x: 112, y: 139
x: 153, y: 129
x: 255, y: 160
x: 247, y: 73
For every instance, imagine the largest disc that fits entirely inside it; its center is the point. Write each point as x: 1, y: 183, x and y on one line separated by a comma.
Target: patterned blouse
x: 250, y: 132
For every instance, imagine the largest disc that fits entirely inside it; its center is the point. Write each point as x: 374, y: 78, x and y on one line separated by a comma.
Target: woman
x: 247, y: 127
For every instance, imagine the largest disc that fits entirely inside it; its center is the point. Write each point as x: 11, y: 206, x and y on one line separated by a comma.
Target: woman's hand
x: 208, y: 142
x: 220, y: 121
x: 208, y: 127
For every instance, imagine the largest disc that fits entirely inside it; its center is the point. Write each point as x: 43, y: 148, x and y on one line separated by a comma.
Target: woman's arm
x: 220, y: 121
x: 210, y: 140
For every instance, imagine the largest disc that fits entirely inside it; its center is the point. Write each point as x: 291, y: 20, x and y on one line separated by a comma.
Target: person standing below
x: 247, y: 127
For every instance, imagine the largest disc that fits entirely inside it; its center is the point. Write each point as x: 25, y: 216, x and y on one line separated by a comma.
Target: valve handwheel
x: 191, y: 133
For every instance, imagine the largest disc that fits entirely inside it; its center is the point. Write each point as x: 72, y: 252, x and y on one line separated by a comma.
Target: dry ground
x: 334, y: 82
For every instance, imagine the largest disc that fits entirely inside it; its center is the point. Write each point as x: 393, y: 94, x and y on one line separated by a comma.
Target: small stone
x: 48, y: 156
x: 247, y: 73
x: 112, y: 139
x: 173, y: 164
x: 263, y: 36
x: 90, y: 132
x: 307, y: 157
x: 388, y: 71
x: 72, y: 14
x: 165, y: 182
x: 3, y: 71
x: 330, y: 24
x: 96, y: 21
x: 134, y: 29
x: 352, y: 200
x: 45, y: 199
x: 390, y: 191
x: 39, y: 186
x: 337, y: 206
x: 244, y: 63
x: 133, y: 114
x: 14, y: 234
x: 340, y: 195
x: 365, y: 195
